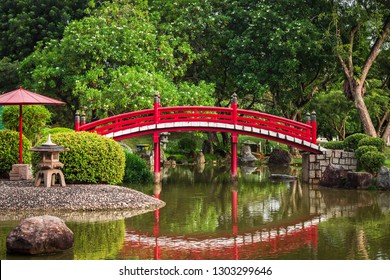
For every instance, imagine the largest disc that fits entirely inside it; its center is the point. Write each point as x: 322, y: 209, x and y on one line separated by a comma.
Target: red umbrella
x: 24, y: 97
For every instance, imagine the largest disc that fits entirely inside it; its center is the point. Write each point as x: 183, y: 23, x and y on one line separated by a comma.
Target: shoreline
x: 75, y: 202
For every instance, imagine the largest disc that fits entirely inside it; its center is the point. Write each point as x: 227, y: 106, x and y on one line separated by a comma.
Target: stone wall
x: 313, y: 165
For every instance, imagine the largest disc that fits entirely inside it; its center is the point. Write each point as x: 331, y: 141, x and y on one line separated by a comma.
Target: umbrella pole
x: 20, y: 134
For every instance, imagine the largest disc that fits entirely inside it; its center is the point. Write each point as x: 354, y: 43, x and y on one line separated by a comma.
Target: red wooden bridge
x: 203, y: 118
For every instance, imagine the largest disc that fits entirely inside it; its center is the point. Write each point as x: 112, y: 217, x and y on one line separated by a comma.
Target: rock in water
x: 383, y: 179
x: 334, y: 176
x: 280, y: 157
x: 358, y: 180
x: 39, y: 235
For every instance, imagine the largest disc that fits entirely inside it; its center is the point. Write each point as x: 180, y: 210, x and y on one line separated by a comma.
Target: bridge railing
x: 232, y: 116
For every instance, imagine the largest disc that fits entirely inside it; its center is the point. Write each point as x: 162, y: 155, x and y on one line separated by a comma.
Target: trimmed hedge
x: 9, y: 151
x: 373, y: 141
x: 137, y: 170
x: 364, y: 149
x: 334, y: 145
x: 92, y: 158
x: 47, y: 131
x: 372, y: 161
x: 352, y: 142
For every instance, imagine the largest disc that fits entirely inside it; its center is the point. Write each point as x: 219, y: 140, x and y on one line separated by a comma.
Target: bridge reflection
x: 266, y: 242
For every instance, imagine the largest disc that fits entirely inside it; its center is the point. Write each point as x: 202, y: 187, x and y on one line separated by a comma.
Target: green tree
x: 23, y: 23
x: 90, y: 69
x: 361, y: 31
x: 335, y: 115
x: 282, y: 54
x: 35, y: 118
x: 9, y: 78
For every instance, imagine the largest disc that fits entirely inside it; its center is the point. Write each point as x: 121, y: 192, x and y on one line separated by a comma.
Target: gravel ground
x: 22, y: 197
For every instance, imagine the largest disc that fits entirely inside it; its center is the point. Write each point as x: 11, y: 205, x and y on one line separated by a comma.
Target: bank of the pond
x: 24, y: 197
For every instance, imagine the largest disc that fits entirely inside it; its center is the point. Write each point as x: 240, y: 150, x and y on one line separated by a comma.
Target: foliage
x: 92, y: 158
x: 342, y: 120
x: 373, y: 141
x: 363, y: 150
x: 137, y: 170
x: 9, y: 78
x: 360, y: 31
x: 87, y: 68
x: 9, y: 151
x: 352, y: 141
x: 334, y: 145
x: 46, y: 131
x: 25, y: 23
x: 372, y: 161
x: 187, y: 145
x: 35, y: 118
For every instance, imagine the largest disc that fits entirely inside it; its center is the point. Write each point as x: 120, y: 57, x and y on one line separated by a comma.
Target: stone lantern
x: 48, y: 167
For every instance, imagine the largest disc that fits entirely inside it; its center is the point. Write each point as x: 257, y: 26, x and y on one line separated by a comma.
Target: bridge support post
x: 77, y: 121
x: 313, y: 120
x: 157, y: 163
x: 234, y: 156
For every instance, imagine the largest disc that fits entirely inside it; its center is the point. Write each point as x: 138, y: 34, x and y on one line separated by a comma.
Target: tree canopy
x: 281, y: 57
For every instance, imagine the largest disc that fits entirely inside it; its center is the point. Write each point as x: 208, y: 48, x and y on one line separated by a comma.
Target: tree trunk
x: 365, y: 118
x: 386, y: 133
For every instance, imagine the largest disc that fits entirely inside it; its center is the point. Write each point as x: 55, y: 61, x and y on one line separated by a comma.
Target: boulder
x: 280, y: 157
x: 383, y: 178
x: 358, y: 180
x: 39, y: 235
x: 246, y: 155
x: 334, y: 176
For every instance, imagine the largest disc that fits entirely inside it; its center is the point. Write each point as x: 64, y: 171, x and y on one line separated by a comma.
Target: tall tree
x: 112, y: 62
x: 24, y: 23
x: 361, y: 29
x: 282, y: 56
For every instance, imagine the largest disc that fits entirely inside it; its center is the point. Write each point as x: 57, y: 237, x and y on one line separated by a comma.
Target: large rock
x: 358, y: 180
x: 39, y: 235
x: 383, y: 178
x: 280, y: 157
x: 246, y: 155
x: 334, y: 176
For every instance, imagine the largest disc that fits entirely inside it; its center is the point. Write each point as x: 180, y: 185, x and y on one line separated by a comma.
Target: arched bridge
x: 203, y: 118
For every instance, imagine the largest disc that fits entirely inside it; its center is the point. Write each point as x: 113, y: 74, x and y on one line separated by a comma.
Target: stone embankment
x: 22, y: 197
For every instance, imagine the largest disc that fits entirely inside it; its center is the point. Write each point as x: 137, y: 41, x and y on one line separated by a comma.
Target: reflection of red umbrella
x: 24, y: 97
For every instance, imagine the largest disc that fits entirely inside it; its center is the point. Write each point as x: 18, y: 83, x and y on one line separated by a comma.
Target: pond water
x: 208, y: 217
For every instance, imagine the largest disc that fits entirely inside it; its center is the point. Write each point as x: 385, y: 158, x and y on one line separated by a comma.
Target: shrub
x: 92, y: 158
x: 364, y: 149
x: 372, y: 161
x: 47, y: 131
x: 137, y: 170
x: 9, y: 151
x: 35, y: 118
x: 187, y: 145
x: 352, y: 141
x: 373, y: 141
x: 334, y: 145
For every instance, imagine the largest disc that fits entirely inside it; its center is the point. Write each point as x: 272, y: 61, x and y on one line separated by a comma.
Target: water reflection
x: 207, y: 217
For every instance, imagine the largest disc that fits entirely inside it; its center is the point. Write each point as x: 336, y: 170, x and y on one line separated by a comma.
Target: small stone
x: 39, y: 235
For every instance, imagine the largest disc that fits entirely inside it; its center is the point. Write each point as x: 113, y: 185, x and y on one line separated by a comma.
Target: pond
x: 208, y: 217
